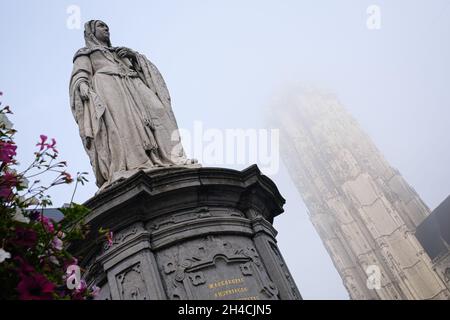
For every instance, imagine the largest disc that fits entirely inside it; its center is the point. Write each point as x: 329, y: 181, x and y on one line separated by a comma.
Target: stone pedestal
x: 202, y: 233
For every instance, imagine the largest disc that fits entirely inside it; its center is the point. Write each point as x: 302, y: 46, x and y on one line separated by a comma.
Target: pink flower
x: 48, y: 225
x: 25, y: 267
x: 82, y: 286
x: 109, y: 238
x: 57, y: 244
x: 35, y: 286
x: 7, y: 151
x: 52, y: 145
x: 35, y: 215
x: 25, y: 237
x: 53, y: 260
x: 95, y: 291
x: 72, y: 261
x: 80, y: 291
x: 5, y: 192
x: 9, y: 178
x: 42, y: 144
x: 7, y: 182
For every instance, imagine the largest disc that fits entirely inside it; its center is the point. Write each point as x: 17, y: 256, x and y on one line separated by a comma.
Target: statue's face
x: 102, y: 32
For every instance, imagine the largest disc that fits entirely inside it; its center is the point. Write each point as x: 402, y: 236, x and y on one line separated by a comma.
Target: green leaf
x: 73, y: 213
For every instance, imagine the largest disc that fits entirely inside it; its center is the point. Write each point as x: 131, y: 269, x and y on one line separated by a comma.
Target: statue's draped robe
x: 128, y: 114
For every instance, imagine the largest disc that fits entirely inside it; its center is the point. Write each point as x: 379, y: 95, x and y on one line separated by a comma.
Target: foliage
x: 33, y: 248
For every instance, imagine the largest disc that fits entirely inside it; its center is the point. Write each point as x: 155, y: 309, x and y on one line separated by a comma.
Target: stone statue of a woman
x: 122, y: 107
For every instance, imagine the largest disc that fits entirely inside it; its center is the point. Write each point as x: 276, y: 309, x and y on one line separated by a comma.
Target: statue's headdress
x: 89, y: 34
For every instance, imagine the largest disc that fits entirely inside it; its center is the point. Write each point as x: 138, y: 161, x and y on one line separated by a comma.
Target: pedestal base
x: 203, y: 233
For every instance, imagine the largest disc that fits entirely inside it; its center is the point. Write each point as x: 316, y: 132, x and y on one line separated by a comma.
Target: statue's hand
x: 125, y: 52
x: 191, y: 161
x: 88, y: 142
x: 84, y: 91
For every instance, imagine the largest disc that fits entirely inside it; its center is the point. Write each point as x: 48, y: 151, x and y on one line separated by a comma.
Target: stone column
x: 203, y: 233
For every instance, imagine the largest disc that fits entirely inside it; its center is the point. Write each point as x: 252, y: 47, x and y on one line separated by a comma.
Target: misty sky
x: 223, y: 62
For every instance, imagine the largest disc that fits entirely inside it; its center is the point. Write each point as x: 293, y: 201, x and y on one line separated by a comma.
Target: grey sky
x: 223, y: 62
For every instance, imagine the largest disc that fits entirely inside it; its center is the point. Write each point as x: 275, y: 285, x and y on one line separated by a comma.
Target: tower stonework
x: 189, y: 234
x: 363, y: 210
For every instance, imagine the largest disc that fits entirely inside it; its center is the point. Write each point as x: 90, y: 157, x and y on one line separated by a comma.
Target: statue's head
x: 96, y: 32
